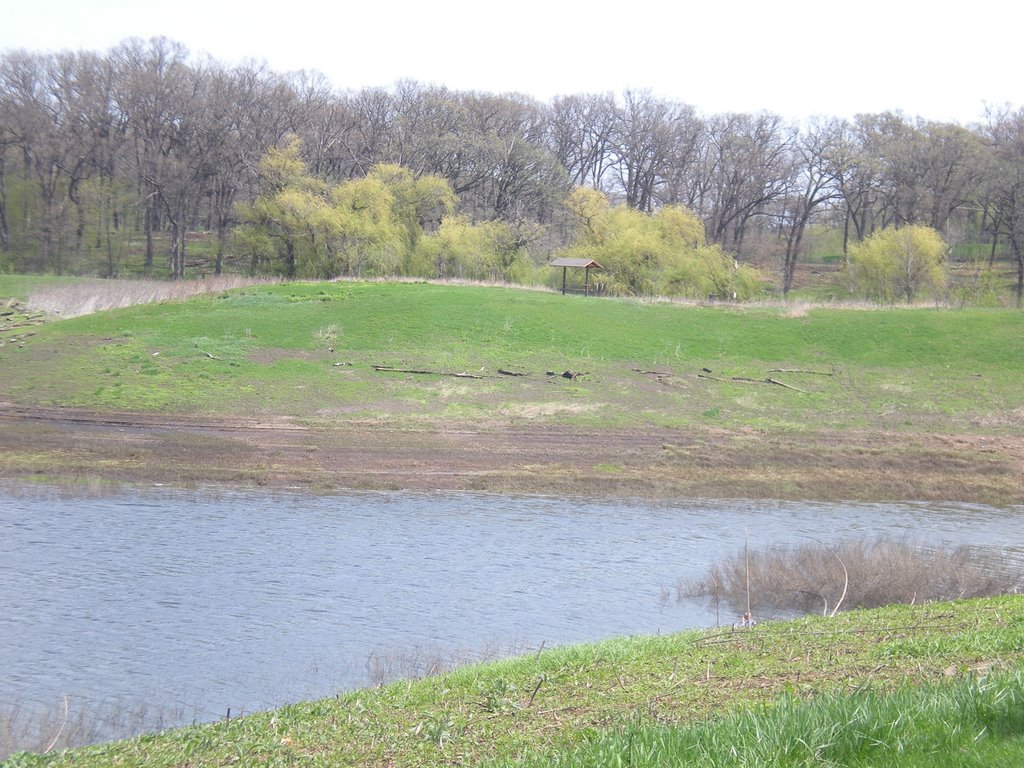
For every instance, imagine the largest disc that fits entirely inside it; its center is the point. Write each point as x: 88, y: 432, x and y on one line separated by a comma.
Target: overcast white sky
x: 798, y: 59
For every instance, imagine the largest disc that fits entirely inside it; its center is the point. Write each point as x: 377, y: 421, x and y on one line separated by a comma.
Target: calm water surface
x: 208, y: 601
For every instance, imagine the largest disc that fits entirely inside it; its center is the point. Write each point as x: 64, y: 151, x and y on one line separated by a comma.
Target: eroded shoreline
x: 81, y: 446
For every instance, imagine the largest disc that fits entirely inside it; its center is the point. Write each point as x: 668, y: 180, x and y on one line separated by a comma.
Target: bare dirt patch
x: 81, y: 446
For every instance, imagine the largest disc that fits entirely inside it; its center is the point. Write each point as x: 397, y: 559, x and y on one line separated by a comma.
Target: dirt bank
x: 83, y: 446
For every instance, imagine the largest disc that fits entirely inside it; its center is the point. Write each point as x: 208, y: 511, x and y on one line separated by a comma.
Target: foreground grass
x: 583, y: 705
x: 971, y: 722
x: 309, y: 350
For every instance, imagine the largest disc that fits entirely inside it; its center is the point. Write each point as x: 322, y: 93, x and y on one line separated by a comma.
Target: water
x: 208, y: 601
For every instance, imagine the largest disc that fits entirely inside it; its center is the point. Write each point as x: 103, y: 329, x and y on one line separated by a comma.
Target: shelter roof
x: 581, y: 263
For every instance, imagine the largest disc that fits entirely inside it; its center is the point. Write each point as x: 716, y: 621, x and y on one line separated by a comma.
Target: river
x: 192, y: 604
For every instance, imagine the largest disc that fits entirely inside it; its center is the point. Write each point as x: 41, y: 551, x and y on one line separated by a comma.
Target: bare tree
x: 747, y: 167
x: 811, y: 185
x: 150, y: 88
x: 580, y: 134
x: 643, y: 145
x: 688, y: 151
x: 1006, y: 184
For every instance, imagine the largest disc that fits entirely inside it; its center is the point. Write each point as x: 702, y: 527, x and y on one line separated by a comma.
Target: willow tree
x: 899, y: 263
x: 665, y: 252
x: 464, y: 250
x: 300, y: 226
x: 291, y: 221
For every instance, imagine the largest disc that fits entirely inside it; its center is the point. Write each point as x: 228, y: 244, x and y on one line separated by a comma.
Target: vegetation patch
x: 712, y: 691
x: 979, y: 720
x: 854, y: 573
x: 835, y: 403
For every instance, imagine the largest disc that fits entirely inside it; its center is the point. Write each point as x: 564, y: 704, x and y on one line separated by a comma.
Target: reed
x: 88, y: 296
x: 71, y: 722
x: 854, y: 573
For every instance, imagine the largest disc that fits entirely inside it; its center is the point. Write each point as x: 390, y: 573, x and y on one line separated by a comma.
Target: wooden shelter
x: 585, y: 264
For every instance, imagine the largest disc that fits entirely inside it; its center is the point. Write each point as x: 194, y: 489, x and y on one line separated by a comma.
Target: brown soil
x: 80, y: 446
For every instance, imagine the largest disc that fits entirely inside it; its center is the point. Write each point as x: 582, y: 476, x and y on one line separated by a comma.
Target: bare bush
x: 854, y: 573
x: 88, y: 296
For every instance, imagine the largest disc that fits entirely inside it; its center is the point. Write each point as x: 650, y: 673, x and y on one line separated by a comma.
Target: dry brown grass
x: 854, y: 573
x: 96, y: 295
x: 83, y: 298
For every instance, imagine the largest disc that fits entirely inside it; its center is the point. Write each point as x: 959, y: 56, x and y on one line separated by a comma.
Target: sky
x: 798, y: 59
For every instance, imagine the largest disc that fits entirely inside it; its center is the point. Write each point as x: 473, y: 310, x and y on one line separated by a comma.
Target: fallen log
x: 748, y: 380
x: 801, y: 370
x: 504, y: 372
x: 389, y: 369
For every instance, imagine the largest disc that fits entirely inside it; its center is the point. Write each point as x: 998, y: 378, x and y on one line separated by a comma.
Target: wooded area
x: 144, y: 160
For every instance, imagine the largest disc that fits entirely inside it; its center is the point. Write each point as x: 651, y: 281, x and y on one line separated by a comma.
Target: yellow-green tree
x: 371, y: 238
x: 899, y: 263
x: 299, y: 226
x: 646, y: 254
x: 488, y: 250
x: 291, y: 222
x: 419, y: 203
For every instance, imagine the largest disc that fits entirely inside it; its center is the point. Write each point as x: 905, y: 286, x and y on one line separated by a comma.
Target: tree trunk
x: 1018, y: 256
x: 172, y: 259
x: 149, y: 224
x: 289, y: 259
x: 792, y: 254
x: 79, y: 226
x: 4, y: 231
x: 218, y: 264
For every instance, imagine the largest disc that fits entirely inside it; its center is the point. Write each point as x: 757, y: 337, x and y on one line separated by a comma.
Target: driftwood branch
x: 801, y: 370
x: 504, y: 372
x: 389, y: 369
x: 748, y: 380
x: 778, y: 383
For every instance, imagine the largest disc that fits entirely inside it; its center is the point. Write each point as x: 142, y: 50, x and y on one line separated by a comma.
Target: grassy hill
x: 740, y: 388
x: 308, y: 349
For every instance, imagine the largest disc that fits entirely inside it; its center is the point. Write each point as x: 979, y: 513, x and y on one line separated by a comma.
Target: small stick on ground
x: 778, y: 383
x: 540, y: 682
x: 801, y: 370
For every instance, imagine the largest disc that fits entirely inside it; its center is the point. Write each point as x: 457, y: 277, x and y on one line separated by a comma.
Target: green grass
x: 970, y: 722
x: 269, y: 349
x: 813, y: 691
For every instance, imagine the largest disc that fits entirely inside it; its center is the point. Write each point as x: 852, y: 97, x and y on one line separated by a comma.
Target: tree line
x: 137, y: 150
